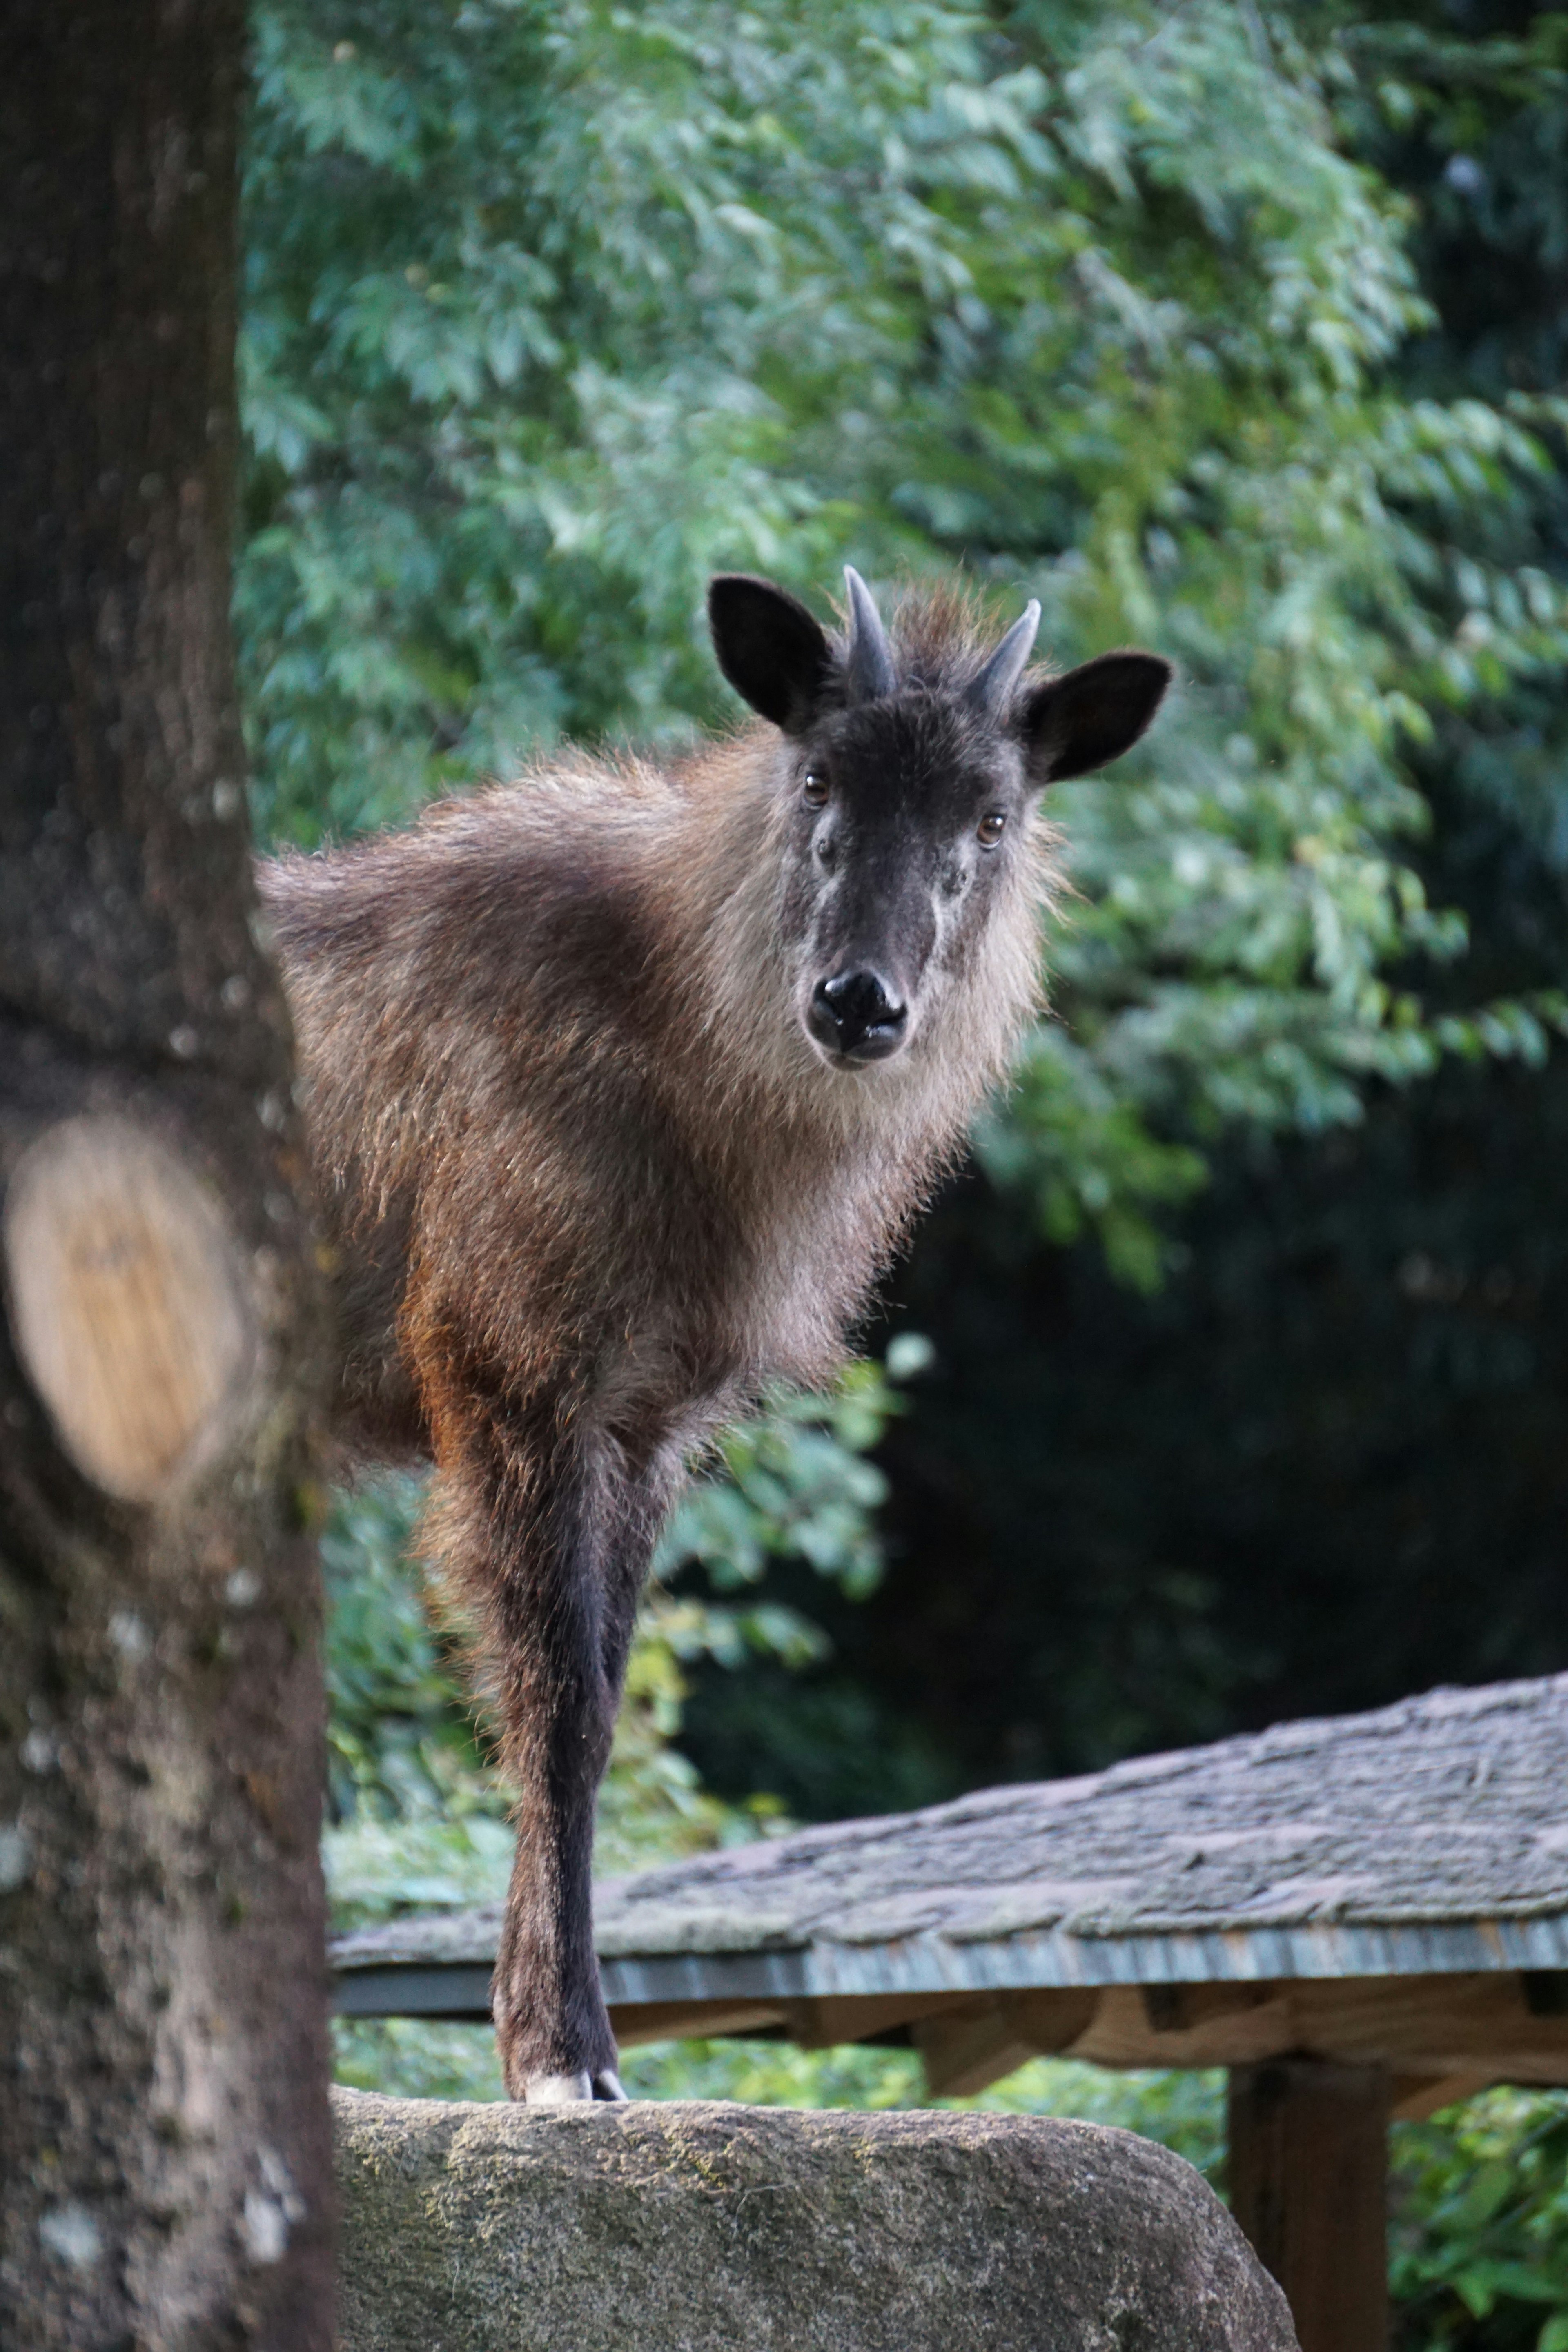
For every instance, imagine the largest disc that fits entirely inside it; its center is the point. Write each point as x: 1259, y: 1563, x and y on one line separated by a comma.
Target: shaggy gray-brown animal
x: 624, y: 1082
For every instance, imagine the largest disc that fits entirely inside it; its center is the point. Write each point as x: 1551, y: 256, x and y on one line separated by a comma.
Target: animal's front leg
x: 620, y: 1512
x: 525, y: 1521
x: 552, y: 2027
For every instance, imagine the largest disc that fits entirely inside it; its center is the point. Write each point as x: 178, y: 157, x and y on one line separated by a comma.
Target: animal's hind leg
x: 526, y: 1519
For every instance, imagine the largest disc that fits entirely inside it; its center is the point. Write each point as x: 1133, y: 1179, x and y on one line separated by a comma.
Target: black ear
x: 1095, y: 713
x: 770, y: 648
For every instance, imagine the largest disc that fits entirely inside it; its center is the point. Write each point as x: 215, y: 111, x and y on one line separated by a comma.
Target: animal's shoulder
x: 562, y: 833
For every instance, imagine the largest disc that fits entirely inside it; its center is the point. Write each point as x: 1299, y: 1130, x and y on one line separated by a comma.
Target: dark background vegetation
x: 1326, y: 1464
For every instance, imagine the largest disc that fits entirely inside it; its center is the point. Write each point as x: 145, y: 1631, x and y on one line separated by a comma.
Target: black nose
x: 857, y: 1013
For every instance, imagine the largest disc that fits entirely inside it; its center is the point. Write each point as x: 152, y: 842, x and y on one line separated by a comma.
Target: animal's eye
x: 989, y: 829
x: 814, y: 788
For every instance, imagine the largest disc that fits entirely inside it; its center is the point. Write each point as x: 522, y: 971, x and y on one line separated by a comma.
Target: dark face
x: 908, y: 798
x: 907, y: 815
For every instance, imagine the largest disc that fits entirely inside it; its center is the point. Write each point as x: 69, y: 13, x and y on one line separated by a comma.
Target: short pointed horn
x: 870, y: 667
x: 992, y: 690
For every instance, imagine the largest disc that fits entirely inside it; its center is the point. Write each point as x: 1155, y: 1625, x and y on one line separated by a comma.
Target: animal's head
x: 911, y: 767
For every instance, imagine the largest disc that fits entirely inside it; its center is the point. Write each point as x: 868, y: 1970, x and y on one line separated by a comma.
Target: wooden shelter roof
x: 1212, y: 1906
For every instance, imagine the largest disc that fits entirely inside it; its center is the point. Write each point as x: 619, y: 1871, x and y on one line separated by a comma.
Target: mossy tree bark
x: 165, y: 2149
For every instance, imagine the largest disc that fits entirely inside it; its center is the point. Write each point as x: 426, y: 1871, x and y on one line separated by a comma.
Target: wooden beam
x: 966, y: 2050
x: 1482, y: 2026
x: 1309, y: 2185
x: 1478, y: 2024
x: 1053, y: 2019
x: 828, y: 2022
x: 1198, y: 2025
x: 691, y: 2021
x: 969, y: 2044
x: 1442, y: 2025
x: 1413, y: 2097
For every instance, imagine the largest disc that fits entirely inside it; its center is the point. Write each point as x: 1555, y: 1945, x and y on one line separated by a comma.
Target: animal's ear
x: 770, y: 648
x: 1073, y: 724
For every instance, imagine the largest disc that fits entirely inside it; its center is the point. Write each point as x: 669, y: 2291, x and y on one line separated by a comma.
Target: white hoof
x: 608, y: 2087
x: 558, y: 2090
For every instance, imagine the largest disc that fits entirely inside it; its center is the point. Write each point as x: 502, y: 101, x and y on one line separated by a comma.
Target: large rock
x: 710, y: 2228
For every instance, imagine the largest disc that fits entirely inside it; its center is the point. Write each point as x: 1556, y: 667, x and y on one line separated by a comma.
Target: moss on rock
x: 687, y: 2227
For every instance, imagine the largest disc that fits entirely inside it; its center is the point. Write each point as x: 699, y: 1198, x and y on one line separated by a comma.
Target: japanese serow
x: 624, y: 1080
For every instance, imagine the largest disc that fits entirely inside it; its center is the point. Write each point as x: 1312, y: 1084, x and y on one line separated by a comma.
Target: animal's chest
x: 746, y: 1299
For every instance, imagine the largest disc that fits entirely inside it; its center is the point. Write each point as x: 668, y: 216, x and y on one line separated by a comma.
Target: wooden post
x: 1309, y: 2185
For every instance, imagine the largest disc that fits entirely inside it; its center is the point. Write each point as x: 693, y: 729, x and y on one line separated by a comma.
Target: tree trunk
x: 165, y: 2151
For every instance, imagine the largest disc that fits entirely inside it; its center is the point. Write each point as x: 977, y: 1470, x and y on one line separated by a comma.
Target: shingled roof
x: 1426, y: 1839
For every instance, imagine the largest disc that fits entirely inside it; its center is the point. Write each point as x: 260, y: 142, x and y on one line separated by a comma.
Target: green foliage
x: 416, y: 1819
x: 551, y: 310
x: 400, y: 1736
x: 1185, y: 2112
x: 1471, y: 115
x: 408, y: 2058
x: 1479, y: 2240
x: 794, y: 1482
x: 415, y: 2058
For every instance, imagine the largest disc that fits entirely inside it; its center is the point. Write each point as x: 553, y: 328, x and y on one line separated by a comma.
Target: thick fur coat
x: 599, y: 1157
